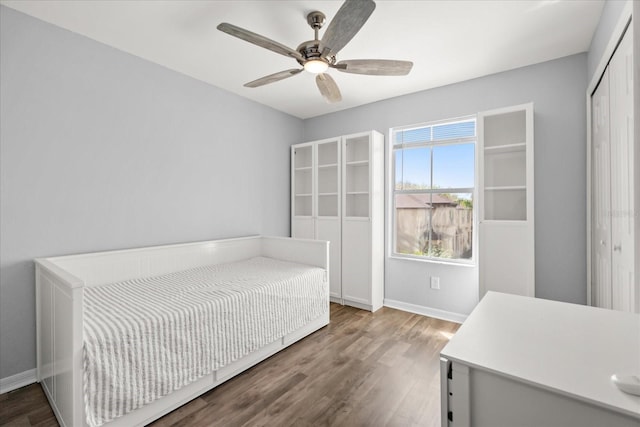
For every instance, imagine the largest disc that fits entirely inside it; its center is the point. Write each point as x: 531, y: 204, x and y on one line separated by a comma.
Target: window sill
x: 432, y: 260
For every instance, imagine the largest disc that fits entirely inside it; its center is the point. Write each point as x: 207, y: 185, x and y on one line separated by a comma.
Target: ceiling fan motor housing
x: 310, y: 49
x: 316, y: 19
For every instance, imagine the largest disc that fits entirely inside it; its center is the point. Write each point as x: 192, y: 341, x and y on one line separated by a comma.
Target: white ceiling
x: 448, y: 41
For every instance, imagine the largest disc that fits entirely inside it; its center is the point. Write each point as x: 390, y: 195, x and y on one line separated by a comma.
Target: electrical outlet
x: 435, y: 282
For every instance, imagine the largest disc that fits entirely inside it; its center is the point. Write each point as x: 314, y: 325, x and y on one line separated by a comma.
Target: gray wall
x: 103, y: 150
x: 557, y: 89
x: 611, y: 13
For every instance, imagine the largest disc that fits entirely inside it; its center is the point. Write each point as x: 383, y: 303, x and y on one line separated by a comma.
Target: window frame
x: 392, y: 191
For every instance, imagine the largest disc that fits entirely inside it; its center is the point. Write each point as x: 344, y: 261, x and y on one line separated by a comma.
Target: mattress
x: 145, y: 338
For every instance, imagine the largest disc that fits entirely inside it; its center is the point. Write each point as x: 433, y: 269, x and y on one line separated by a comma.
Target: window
x: 434, y: 180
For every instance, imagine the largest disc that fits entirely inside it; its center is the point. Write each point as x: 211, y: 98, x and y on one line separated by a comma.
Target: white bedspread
x: 145, y: 338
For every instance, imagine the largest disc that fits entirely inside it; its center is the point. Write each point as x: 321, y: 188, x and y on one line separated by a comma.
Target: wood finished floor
x: 364, y: 369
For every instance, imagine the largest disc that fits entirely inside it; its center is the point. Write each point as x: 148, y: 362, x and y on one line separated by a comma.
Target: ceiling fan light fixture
x: 317, y: 55
x: 316, y: 66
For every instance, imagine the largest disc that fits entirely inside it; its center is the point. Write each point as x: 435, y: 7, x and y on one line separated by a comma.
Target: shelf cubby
x: 505, y: 204
x: 328, y: 179
x: 505, y: 168
x: 303, y: 205
x: 303, y: 157
x: 357, y: 177
x: 357, y: 204
x: 328, y: 204
x: 505, y: 129
x: 357, y: 149
x: 328, y: 153
x: 303, y: 181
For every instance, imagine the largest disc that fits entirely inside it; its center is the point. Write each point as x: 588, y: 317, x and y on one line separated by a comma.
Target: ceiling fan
x: 318, y: 55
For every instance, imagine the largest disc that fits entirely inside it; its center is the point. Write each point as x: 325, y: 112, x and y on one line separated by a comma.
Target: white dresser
x: 520, y: 361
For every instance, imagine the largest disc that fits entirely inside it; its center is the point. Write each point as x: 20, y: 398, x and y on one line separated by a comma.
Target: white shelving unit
x: 316, y: 201
x: 302, y: 183
x: 363, y: 220
x: 346, y: 207
x: 328, y: 187
x: 505, y: 177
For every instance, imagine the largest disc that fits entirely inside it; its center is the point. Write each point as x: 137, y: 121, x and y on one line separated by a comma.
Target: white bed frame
x: 60, y: 284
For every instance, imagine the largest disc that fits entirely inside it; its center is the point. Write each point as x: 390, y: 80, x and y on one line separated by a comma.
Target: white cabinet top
x: 567, y: 348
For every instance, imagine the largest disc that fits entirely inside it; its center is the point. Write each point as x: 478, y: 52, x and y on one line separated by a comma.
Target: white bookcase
x: 337, y: 195
x: 505, y: 192
x: 303, y: 182
x: 316, y: 201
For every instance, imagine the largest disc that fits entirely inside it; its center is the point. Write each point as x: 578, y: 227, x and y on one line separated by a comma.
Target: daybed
x: 124, y: 337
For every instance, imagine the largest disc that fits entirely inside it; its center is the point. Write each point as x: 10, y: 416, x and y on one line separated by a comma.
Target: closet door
x: 601, y: 196
x: 622, y: 176
x: 614, y: 169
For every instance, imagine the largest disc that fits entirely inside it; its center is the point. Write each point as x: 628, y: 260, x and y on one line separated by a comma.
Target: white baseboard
x: 426, y: 311
x: 18, y: 380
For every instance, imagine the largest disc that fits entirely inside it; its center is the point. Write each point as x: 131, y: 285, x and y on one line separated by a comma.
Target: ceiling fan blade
x: 348, y: 20
x: 375, y: 67
x: 273, y: 78
x: 259, y: 40
x: 328, y: 88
